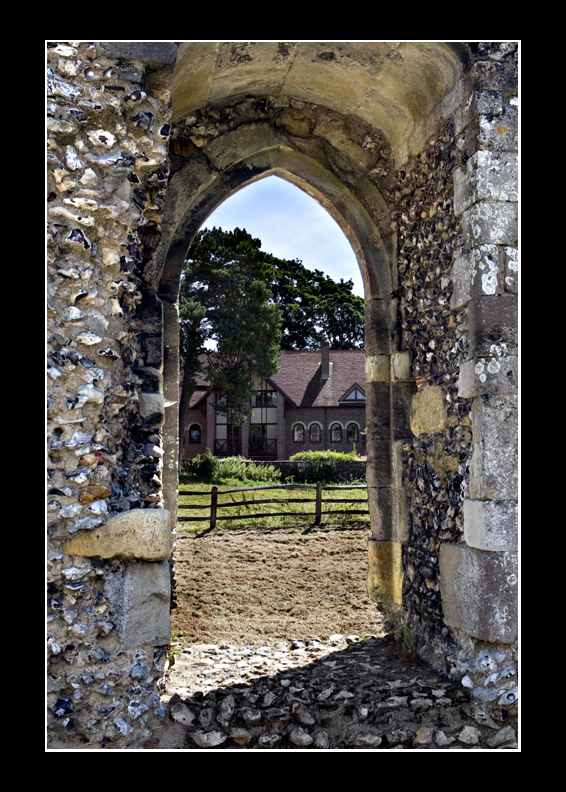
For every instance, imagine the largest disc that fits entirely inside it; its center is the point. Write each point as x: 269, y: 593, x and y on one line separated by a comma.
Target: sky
x: 290, y: 225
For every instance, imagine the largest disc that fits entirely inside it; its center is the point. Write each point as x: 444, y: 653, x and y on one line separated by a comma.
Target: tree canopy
x: 314, y: 307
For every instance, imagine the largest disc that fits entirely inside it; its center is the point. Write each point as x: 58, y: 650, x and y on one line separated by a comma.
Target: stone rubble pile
x: 342, y: 693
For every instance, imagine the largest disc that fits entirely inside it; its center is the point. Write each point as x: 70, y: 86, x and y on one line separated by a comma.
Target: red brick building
x: 316, y: 402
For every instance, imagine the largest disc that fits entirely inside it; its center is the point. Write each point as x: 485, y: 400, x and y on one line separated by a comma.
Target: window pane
x: 352, y: 433
x: 336, y: 433
x: 315, y: 433
x: 298, y: 433
x: 194, y: 434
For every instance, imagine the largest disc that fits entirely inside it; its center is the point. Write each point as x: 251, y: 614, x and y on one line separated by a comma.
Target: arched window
x: 314, y: 433
x: 298, y: 433
x: 194, y: 434
x: 352, y: 433
x: 336, y: 433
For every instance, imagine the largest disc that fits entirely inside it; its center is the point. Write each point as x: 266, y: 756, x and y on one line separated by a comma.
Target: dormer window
x: 353, y: 396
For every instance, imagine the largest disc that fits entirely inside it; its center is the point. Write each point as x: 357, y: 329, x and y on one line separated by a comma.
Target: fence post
x: 318, y: 507
x: 213, y: 502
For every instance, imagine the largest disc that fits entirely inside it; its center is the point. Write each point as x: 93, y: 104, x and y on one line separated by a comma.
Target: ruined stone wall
x: 436, y: 238
x: 108, y: 598
x: 454, y: 207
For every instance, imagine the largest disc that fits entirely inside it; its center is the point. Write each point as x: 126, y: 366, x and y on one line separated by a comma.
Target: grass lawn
x: 303, y: 509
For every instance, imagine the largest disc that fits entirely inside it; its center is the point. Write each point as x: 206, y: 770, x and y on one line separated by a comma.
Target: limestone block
x: 143, y: 534
x: 487, y: 376
x: 401, y: 402
x: 251, y: 67
x: 241, y: 143
x: 147, y: 51
x: 385, y: 572
x: 491, y: 525
x: 493, y: 325
x: 494, y: 75
x: 400, y: 366
x: 496, y: 50
x: 490, y: 223
x: 152, y: 408
x: 397, y: 464
x: 379, y: 503
x: 139, y: 600
x: 378, y: 466
x: 389, y: 513
x: 428, y: 414
x: 377, y: 327
x: 489, y: 175
x: 377, y: 409
x: 493, y: 466
x: 377, y: 368
x: 511, y: 275
x: 400, y: 515
x: 481, y: 102
x: 499, y: 133
x: 475, y: 274
x: 479, y: 592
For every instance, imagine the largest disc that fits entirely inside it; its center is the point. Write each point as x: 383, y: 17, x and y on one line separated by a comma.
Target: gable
x: 354, y: 395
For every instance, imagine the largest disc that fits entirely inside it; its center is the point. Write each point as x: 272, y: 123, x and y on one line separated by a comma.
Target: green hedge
x: 321, y: 464
x: 325, y: 456
x: 207, y: 466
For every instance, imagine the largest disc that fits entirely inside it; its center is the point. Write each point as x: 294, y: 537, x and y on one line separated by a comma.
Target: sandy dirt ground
x: 249, y: 586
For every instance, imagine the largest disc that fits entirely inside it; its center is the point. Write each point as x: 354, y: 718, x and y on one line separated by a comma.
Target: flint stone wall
x: 455, y: 210
x: 108, y: 116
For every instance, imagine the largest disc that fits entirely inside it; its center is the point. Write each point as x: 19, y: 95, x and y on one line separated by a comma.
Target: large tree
x: 314, y: 307
x: 229, y: 323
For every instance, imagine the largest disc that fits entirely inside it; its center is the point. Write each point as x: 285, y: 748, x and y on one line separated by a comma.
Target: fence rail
x: 318, y: 501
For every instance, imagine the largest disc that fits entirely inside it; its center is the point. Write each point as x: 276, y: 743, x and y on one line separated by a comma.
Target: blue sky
x: 290, y: 225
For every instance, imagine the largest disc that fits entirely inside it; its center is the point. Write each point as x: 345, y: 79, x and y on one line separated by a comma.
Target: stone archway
x: 412, y: 148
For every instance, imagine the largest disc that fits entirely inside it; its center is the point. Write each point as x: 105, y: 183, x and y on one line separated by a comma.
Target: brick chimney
x: 325, y: 360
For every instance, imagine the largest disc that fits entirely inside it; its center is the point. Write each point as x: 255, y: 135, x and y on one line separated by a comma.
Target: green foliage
x: 215, y: 469
x: 325, y: 456
x: 322, y: 464
x: 203, y: 465
x: 246, y: 470
x: 314, y: 307
x: 172, y: 649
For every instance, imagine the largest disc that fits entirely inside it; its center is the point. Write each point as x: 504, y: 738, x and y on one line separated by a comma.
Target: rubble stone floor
x: 255, y: 684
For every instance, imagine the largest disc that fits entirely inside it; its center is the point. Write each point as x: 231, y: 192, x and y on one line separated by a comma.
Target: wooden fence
x: 318, y: 501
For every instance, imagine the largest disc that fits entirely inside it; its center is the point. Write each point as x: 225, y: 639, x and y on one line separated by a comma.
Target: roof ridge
x: 316, y: 351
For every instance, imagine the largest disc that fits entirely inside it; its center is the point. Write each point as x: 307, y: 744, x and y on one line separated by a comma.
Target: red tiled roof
x: 299, y: 378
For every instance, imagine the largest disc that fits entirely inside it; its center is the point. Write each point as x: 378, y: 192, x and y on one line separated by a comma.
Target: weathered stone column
x: 479, y: 576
